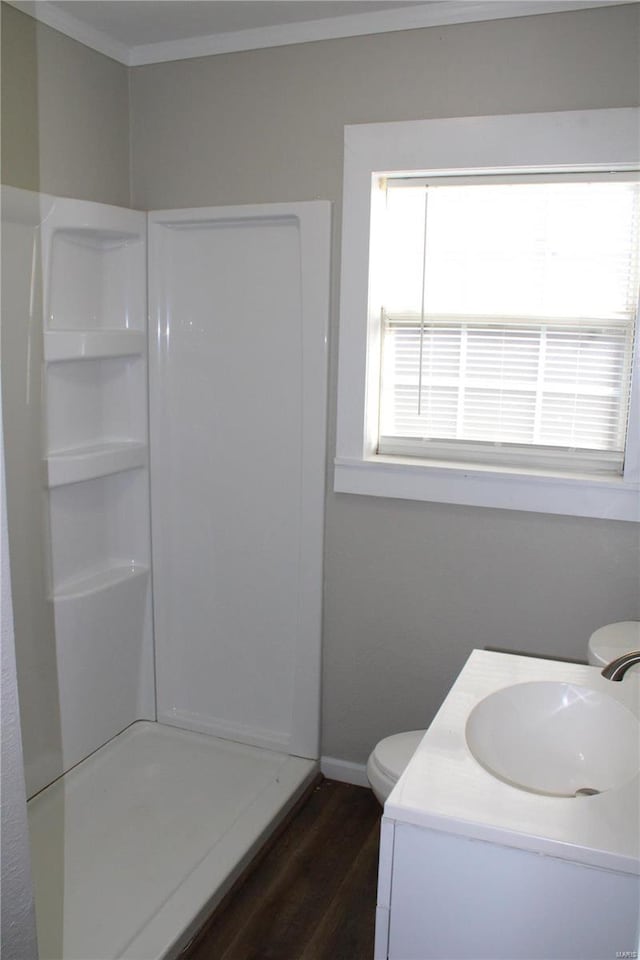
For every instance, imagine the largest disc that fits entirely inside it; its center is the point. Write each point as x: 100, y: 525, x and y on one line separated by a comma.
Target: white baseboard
x: 344, y: 771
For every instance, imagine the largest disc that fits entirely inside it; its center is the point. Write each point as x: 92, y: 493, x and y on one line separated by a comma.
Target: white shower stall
x: 168, y: 385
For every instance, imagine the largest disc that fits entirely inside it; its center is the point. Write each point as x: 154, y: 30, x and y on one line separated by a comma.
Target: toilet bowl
x: 610, y: 642
x: 389, y: 757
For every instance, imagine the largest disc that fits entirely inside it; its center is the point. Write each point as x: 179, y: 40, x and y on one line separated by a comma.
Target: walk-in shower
x: 164, y: 381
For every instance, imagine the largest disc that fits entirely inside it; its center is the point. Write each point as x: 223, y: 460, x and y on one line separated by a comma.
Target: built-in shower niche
x: 95, y: 395
x: 96, y: 418
x: 99, y: 532
x: 94, y: 280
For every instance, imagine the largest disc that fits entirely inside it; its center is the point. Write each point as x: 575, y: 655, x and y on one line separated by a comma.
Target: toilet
x: 389, y: 757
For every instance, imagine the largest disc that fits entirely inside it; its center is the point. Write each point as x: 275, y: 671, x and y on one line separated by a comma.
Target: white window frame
x: 601, y: 140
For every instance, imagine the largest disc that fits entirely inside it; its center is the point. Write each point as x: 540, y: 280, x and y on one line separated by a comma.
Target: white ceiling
x: 149, y: 31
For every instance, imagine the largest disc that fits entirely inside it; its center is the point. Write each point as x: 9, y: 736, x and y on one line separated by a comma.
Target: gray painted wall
x: 267, y: 125
x: 411, y: 588
x: 65, y: 114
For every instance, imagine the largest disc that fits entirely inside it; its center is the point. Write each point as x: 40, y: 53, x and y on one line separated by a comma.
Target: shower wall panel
x: 239, y: 305
x: 95, y: 469
x: 75, y: 386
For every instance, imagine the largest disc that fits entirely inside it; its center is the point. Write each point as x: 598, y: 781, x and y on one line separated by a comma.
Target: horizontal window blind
x: 508, y: 322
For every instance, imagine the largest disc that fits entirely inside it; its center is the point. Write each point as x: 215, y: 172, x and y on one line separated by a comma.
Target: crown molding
x: 384, y: 21
x: 359, y: 24
x: 74, y: 28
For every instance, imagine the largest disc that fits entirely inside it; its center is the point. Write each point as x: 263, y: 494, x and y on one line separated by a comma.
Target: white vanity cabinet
x: 475, y: 868
x: 447, y: 897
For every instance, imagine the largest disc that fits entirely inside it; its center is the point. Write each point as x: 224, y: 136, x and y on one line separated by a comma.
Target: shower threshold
x: 133, y: 847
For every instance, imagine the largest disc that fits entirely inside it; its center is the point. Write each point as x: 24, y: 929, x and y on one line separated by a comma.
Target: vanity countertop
x: 445, y: 788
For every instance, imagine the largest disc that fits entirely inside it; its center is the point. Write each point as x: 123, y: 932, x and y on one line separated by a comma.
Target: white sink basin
x: 554, y: 738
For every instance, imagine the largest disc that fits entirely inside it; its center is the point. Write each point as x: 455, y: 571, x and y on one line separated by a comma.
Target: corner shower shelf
x: 92, y: 344
x: 90, y: 462
x: 119, y: 573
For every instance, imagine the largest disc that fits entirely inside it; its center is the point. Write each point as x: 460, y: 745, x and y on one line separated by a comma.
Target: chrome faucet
x: 618, y: 667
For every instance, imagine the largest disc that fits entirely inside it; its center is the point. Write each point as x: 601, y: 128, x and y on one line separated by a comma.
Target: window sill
x: 473, y: 485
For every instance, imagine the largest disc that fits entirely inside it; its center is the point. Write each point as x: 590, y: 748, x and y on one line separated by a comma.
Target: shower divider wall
x: 237, y: 363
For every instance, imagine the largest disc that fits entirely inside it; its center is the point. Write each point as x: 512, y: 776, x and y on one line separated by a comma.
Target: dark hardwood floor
x: 313, y: 894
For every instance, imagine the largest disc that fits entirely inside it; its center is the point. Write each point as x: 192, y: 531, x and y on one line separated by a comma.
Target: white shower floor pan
x: 132, y: 847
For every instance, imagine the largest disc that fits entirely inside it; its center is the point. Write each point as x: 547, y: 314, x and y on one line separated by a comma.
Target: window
x: 488, y: 312
x: 507, y: 318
